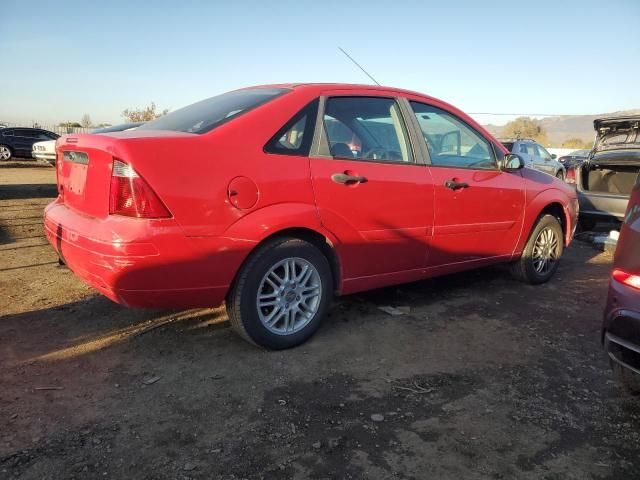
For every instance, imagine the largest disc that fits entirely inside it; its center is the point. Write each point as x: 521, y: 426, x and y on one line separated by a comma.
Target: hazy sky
x: 62, y: 59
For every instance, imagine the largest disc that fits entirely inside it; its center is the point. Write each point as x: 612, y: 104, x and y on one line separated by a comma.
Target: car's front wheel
x: 281, y: 294
x: 541, y: 255
x: 5, y: 152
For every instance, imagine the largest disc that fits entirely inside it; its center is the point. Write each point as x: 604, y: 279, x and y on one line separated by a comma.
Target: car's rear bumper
x: 602, y: 205
x: 143, y: 263
x: 621, y: 326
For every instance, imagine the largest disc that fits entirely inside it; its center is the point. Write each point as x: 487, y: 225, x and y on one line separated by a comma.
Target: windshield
x: 204, y: 116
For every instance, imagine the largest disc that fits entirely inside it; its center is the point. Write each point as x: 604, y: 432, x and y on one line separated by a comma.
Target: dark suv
x: 18, y: 142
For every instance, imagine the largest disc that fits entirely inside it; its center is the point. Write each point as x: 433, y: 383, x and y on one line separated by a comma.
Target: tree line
x: 144, y: 114
x: 527, y: 127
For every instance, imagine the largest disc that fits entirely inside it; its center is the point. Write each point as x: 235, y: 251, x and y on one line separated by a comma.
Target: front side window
x: 204, y: 116
x: 451, y: 142
x: 46, y: 136
x: 543, y: 152
x: 366, y: 128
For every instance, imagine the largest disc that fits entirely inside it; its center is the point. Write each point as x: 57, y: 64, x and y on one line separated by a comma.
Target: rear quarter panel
x: 192, y: 174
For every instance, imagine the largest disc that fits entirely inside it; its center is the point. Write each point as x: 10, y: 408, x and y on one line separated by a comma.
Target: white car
x: 45, y: 151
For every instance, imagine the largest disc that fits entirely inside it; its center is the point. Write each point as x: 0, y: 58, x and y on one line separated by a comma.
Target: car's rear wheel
x: 5, y: 152
x: 629, y: 380
x: 541, y: 255
x: 281, y: 294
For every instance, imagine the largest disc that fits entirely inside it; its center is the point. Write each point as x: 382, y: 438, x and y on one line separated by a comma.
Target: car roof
x: 320, y: 87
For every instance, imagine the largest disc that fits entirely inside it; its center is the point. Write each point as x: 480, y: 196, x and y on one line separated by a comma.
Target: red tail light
x: 571, y: 175
x: 627, y: 278
x: 131, y: 196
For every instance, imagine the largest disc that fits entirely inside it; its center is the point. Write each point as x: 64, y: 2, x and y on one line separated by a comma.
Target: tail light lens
x: 132, y: 196
x: 571, y: 175
x: 627, y: 278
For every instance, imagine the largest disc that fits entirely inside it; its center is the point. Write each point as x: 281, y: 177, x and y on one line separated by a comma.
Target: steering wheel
x: 376, y: 153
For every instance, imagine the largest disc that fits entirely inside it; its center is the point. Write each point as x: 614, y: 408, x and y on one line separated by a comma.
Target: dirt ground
x: 483, y: 378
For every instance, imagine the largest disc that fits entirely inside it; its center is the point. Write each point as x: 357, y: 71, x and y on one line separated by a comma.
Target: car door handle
x: 453, y: 185
x: 346, y: 178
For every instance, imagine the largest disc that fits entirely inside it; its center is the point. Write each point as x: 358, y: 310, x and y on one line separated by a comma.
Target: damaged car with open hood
x: 605, y: 180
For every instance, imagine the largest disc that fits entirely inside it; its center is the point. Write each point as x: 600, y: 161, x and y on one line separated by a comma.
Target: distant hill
x: 562, y: 128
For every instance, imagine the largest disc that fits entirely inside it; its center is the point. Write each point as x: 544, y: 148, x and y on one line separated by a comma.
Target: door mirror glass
x: 512, y: 161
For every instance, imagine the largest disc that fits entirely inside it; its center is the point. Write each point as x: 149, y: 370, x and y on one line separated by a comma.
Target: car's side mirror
x: 554, y: 156
x: 510, y: 162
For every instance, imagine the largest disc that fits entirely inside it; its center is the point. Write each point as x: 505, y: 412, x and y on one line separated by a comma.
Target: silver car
x: 535, y: 156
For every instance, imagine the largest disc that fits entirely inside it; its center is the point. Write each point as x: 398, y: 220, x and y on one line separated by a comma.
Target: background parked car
x: 535, y: 156
x: 621, y: 327
x: 574, y: 158
x: 18, y: 142
x: 605, y: 179
x: 47, y: 150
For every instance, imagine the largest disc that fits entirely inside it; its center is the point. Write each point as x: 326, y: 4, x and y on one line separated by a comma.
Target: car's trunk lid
x: 617, y: 133
x: 83, y: 169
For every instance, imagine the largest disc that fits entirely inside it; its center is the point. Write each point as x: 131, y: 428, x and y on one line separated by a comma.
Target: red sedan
x: 275, y: 198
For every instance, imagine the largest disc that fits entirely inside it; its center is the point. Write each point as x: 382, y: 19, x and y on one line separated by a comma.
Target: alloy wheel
x: 546, y: 251
x: 289, y: 296
x: 5, y: 153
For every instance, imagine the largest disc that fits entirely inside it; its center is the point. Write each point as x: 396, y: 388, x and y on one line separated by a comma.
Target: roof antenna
x: 359, y: 66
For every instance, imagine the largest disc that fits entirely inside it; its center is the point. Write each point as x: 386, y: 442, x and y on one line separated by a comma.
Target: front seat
x: 341, y: 150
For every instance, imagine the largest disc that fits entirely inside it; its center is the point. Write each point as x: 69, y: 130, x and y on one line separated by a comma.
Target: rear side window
x: 528, y: 149
x: 295, y: 137
x: 204, y: 116
x: 7, y: 133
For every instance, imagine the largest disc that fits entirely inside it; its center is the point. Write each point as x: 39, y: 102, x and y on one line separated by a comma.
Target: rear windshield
x: 204, y: 116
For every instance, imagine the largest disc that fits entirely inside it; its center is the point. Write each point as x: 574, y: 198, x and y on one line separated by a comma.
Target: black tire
x: 524, y: 269
x: 9, y: 149
x: 241, y: 300
x: 628, y: 379
x: 560, y: 175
